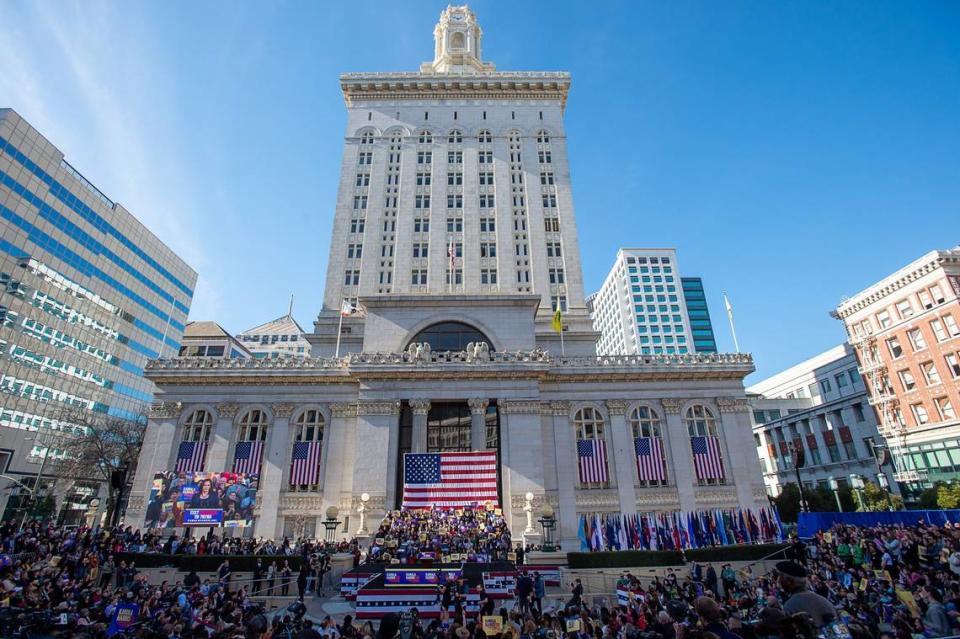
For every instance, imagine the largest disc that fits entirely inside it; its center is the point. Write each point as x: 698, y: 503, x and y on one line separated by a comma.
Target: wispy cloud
x: 100, y: 90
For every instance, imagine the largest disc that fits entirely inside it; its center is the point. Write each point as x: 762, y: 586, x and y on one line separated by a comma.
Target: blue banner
x: 124, y: 617
x: 810, y: 523
x: 202, y: 516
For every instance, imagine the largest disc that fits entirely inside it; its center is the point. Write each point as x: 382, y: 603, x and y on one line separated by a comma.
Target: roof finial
x: 290, y: 310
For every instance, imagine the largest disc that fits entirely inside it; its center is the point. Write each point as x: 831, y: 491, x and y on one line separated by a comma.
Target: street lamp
x: 835, y: 486
x: 547, y: 521
x: 856, y: 482
x: 885, y: 485
x: 331, y: 523
x: 362, y: 530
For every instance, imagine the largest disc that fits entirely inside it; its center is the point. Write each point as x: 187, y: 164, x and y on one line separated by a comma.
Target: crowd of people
x: 479, y: 534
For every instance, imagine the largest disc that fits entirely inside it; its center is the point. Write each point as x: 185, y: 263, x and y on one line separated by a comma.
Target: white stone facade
x: 507, y: 386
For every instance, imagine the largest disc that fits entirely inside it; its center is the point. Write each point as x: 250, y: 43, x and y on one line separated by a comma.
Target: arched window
x: 484, y: 137
x: 366, y: 138
x: 543, y: 137
x: 705, y: 445
x: 591, y: 448
x: 450, y: 336
x: 253, y: 426
x: 425, y: 137
x: 458, y: 40
x: 307, y: 447
x: 456, y: 137
x: 197, y: 427
x: 648, y: 446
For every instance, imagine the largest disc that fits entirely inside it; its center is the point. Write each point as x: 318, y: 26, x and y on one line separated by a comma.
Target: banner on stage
x: 201, y: 499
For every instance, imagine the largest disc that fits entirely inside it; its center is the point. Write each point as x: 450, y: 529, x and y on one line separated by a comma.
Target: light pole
x: 362, y: 530
x: 856, y: 482
x: 835, y: 486
x: 885, y: 485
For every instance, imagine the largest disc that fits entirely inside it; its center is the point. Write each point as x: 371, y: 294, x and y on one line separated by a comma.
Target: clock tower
x: 457, y: 39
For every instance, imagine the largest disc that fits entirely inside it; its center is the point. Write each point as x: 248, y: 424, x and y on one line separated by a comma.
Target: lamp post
x: 361, y: 509
x: 331, y: 523
x: 834, y: 486
x: 547, y: 521
x: 885, y: 485
x: 856, y: 482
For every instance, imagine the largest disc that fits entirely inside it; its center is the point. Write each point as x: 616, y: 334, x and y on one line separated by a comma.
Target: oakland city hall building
x: 454, y: 241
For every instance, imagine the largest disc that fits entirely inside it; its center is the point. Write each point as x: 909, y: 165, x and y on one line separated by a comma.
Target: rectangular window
x: 488, y: 276
x: 930, y: 373
x: 925, y: 300
x: 893, y: 345
x: 455, y: 157
x: 916, y: 340
x: 418, y: 277
x: 549, y: 200
x: 951, y: 325
x: 945, y: 408
x: 858, y: 412
x: 544, y: 157
x: 365, y: 158
x: 552, y: 224
x: 486, y: 178
x: 422, y: 202
x: 486, y: 201
x: 907, y: 380
x: 424, y: 157
x: 359, y: 202
x: 825, y: 385
x: 354, y: 251
x: 351, y: 278
x: 938, y: 330
x: 905, y: 309
x: 421, y: 225
x: 883, y: 319
x: 423, y: 179
x: 420, y: 249
x: 937, y: 293
x: 356, y: 226
x: 363, y: 179
x: 454, y: 178
x: 488, y: 249
x: 553, y: 249
x: 454, y: 201
x: 485, y: 157
x: 556, y: 276
x: 953, y: 364
x: 457, y: 276
x: 454, y: 225
x: 546, y: 178
x: 920, y: 413
x: 487, y: 225
x: 841, y: 380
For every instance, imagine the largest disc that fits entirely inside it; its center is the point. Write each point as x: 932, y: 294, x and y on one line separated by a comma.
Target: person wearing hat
x: 792, y: 578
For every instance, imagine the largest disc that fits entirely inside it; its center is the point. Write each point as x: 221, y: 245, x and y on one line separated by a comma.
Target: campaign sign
x: 414, y: 577
x: 202, y: 517
x: 124, y: 617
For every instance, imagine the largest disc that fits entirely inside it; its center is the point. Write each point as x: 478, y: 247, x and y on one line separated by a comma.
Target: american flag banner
x: 190, y: 457
x: 706, y: 457
x: 592, y: 456
x: 247, y: 458
x: 649, y: 452
x: 305, y: 463
x: 449, y: 480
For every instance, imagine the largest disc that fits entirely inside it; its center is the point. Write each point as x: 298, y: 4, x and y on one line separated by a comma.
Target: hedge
x: 205, y: 563
x: 653, y: 558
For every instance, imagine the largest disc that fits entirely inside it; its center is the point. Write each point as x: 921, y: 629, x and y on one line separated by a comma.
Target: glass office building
x: 699, y: 315
x: 87, y: 296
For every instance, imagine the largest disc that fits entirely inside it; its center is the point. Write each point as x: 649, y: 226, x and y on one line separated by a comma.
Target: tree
x: 928, y: 498
x: 96, y: 445
x: 877, y: 499
x: 948, y: 495
x: 788, y: 502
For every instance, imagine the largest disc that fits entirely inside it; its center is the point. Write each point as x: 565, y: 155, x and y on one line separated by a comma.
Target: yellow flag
x: 557, y: 324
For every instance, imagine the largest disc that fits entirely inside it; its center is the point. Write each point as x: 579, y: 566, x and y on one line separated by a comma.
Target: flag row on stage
x: 679, y: 530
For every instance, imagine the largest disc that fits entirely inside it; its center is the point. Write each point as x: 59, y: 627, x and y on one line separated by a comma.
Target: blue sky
x: 794, y: 153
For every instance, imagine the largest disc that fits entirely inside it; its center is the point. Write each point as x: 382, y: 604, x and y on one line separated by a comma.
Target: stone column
x: 219, y: 449
x: 375, y: 467
x: 156, y: 455
x: 521, y: 457
x: 271, y: 472
x: 741, y: 465
x: 478, y: 423
x: 624, y: 457
x: 563, y: 448
x: 420, y: 409
x: 338, y: 473
x: 681, y: 458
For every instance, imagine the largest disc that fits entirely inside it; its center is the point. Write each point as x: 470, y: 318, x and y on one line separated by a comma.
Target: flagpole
x: 563, y: 351
x: 733, y: 330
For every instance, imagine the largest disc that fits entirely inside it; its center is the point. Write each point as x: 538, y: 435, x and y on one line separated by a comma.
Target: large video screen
x: 201, y: 499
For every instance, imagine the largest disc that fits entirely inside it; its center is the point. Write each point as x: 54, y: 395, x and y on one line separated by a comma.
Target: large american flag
x: 247, y: 458
x: 449, y: 480
x: 706, y: 457
x: 305, y: 463
x: 592, y: 455
x: 649, y: 452
x: 190, y: 456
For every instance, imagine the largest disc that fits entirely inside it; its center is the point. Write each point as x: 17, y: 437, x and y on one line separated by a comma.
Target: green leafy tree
x: 788, y: 502
x: 948, y: 495
x: 928, y: 498
x: 877, y: 499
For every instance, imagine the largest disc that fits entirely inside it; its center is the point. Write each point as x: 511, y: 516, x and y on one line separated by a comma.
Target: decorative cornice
x: 519, y: 407
x: 478, y: 405
x: 671, y: 405
x: 283, y: 410
x: 377, y: 503
x: 658, y: 498
x: 617, y: 406
x: 166, y: 410
x: 293, y: 503
x: 596, y: 499
x: 715, y: 495
x: 374, y: 407
x: 344, y: 409
x: 733, y: 404
x: 228, y: 410
x: 420, y: 406
x: 561, y: 407
x: 518, y: 501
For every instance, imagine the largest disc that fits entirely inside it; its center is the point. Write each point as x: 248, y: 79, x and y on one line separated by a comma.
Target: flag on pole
x: 190, y: 456
x: 347, y: 308
x: 247, y: 458
x: 557, y: 321
x: 449, y: 480
x: 452, y: 255
x: 649, y: 451
x: 305, y: 463
x: 592, y: 457
x: 582, y: 534
x: 706, y: 457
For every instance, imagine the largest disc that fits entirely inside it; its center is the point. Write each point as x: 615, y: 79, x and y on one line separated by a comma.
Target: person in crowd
x: 302, y: 579
x: 792, y: 578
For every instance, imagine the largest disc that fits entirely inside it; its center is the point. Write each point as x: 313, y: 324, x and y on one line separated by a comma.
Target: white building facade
x: 282, y: 337
x: 822, y: 405
x: 455, y: 237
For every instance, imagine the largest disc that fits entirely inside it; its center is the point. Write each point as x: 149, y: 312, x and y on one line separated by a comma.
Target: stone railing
x: 474, y: 355
x: 446, y: 77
